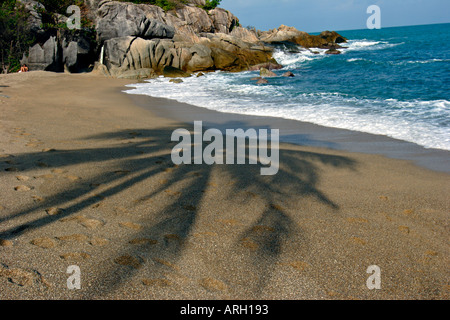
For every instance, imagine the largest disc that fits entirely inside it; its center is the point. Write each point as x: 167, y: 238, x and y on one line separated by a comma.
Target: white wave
x: 364, y: 44
x: 294, y: 60
x: 415, y: 121
x: 356, y: 59
x: 428, y: 61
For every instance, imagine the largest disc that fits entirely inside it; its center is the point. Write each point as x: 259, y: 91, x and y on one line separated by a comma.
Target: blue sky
x: 319, y: 15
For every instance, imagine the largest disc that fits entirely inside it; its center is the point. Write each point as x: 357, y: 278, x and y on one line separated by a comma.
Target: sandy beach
x: 86, y: 179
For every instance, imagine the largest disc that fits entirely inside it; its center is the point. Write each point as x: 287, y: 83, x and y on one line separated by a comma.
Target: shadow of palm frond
x: 172, y: 221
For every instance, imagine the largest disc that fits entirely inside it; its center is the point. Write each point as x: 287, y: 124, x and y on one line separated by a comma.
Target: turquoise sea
x: 393, y: 82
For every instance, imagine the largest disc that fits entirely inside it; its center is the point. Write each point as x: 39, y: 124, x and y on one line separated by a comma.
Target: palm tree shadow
x: 172, y: 224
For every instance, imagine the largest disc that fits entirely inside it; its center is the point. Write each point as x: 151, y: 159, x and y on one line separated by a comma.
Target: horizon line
x: 410, y: 25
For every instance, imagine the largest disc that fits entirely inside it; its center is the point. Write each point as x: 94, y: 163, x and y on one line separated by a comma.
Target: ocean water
x: 393, y: 82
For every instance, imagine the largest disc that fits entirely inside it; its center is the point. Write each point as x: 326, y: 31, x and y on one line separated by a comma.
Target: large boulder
x: 201, y: 58
x: 118, y: 19
x: 196, y: 18
x: 44, y: 56
x: 172, y: 72
x: 131, y: 53
x: 223, y: 20
x: 244, y: 34
x: 145, y: 73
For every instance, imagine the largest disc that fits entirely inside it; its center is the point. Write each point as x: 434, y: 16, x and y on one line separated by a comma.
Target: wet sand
x: 86, y: 179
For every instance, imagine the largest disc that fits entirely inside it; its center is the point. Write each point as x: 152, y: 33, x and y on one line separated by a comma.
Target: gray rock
x: 244, y: 34
x: 43, y: 57
x: 288, y: 74
x: 332, y: 51
x: 223, y: 20
x: 262, y: 81
x: 118, y: 19
x: 267, y: 73
x: 266, y: 65
x: 145, y: 73
x: 172, y: 72
x: 201, y: 58
x: 196, y: 18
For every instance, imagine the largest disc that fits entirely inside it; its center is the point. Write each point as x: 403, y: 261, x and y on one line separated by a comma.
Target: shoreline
x: 300, y: 133
x: 87, y: 180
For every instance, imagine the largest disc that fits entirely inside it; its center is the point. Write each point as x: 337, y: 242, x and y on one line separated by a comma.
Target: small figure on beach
x: 24, y: 68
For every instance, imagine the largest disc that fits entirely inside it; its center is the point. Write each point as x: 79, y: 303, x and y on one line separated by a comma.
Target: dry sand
x: 86, y: 179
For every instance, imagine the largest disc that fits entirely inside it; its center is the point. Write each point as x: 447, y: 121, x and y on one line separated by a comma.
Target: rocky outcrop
x: 187, y: 38
x: 57, y: 50
x: 216, y: 52
x: 142, y: 40
x: 325, y: 40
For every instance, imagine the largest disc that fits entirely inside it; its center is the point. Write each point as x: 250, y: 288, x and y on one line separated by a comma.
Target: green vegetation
x: 166, y: 5
x: 14, y: 37
x: 211, y: 4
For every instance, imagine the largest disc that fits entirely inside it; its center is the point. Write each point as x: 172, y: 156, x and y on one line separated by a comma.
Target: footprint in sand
x: 297, y: 265
x: 44, y: 242
x: 166, y: 263
x: 6, y: 243
x: 22, y: 277
x: 131, y: 225
x: 230, y: 222
x: 98, y: 242
x: 85, y: 222
x: 90, y: 223
x: 129, y: 261
x: 212, y: 284
x: 156, y: 283
x: 22, y: 188
x: 143, y: 241
x: 249, y: 244
x: 75, y: 256
x: 404, y: 229
x: 22, y: 178
x: 54, y: 211
x: 72, y: 178
x: 37, y: 199
x: 170, y: 238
